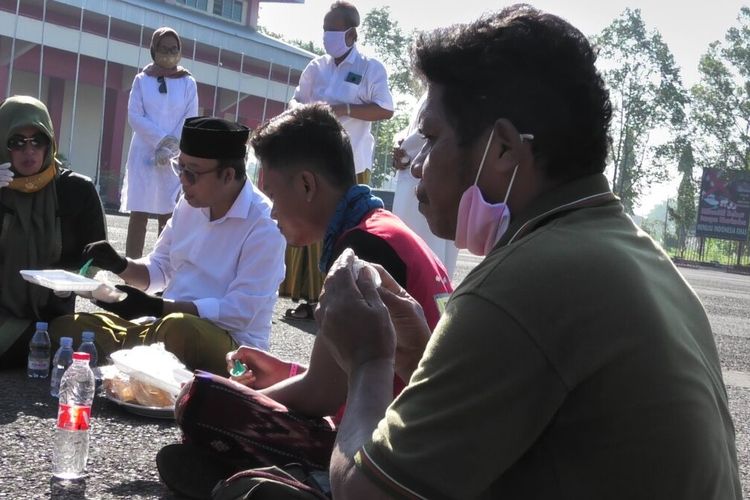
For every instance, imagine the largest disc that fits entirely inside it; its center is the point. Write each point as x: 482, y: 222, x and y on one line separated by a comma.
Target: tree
x: 384, y: 133
x: 392, y: 46
x: 721, y: 110
x: 684, y: 213
x: 648, y: 99
x: 308, y: 45
x: 656, y: 222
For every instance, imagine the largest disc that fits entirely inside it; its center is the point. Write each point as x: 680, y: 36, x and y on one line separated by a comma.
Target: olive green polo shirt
x: 574, y: 362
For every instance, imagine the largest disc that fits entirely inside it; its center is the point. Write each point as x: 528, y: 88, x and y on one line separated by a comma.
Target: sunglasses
x: 169, y: 50
x: 190, y: 175
x: 18, y: 142
x: 162, y: 84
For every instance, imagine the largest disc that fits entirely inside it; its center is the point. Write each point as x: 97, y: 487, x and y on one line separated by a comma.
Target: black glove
x: 105, y: 257
x: 135, y: 305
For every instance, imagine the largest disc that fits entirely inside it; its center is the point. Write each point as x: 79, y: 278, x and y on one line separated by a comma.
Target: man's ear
x: 512, y: 147
x: 228, y: 174
x: 351, y: 36
x: 309, y: 184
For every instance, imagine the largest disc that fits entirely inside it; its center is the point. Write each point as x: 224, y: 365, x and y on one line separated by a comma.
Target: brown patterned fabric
x: 237, y: 422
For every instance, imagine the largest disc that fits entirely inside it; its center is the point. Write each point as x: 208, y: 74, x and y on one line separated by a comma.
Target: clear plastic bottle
x: 39, y: 352
x: 87, y: 345
x: 73, y: 419
x: 63, y: 358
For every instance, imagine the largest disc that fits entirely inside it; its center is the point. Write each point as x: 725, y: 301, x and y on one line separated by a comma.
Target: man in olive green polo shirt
x: 574, y: 362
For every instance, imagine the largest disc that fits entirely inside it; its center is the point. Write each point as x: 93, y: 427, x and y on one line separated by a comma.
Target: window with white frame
x: 228, y: 9
x: 196, y: 4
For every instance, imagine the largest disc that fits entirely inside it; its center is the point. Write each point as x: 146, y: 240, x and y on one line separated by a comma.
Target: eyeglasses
x: 190, y: 175
x: 18, y: 142
x: 162, y: 84
x: 168, y: 50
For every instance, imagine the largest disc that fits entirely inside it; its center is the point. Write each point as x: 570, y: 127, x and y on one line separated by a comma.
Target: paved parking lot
x: 123, y: 446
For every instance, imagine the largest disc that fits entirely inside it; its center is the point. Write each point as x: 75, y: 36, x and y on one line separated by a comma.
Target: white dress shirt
x: 357, y: 80
x: 230, y: 268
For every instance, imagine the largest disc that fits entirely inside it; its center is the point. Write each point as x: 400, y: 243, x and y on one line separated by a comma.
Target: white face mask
x: 334, y: 43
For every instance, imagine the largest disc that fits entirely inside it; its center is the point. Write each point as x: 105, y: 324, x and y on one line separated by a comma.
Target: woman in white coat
x: 162, y: 96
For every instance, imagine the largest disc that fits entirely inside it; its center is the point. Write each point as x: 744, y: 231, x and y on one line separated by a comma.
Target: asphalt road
x: 123, y: 446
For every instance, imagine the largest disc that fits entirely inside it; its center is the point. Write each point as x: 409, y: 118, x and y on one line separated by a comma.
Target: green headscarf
x: 30, y: 237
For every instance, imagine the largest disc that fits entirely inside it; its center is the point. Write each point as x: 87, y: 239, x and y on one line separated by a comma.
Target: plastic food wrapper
x: 148, y: 375
x: 166, y: 150
x: 358, y: 265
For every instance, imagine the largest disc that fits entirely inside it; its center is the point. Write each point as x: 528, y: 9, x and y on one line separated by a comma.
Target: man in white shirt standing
x: 356, y: 87
x: 219, y: 261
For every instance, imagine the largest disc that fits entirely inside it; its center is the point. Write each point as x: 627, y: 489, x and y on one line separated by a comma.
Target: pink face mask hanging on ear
x: 480, y: 224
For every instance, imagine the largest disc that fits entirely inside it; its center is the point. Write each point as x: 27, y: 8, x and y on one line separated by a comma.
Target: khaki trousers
x: 197, y: 342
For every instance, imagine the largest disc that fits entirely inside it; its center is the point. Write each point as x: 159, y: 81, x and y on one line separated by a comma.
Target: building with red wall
x: 80, y: 58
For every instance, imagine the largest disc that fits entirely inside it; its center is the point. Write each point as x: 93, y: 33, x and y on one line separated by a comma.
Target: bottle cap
x: 83, y: 356
x: 41, y: 325
x: 66, y: 341
x: 87, y: 336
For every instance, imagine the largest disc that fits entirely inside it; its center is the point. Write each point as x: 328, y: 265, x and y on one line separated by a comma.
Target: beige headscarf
x: 30, y: 237
x: 154, y: 69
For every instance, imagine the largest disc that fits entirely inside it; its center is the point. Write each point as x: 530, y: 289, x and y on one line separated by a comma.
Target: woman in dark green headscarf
x: 47, y: 215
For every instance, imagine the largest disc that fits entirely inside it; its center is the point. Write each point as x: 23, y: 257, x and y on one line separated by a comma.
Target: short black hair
x: 236, y: 164
x: 532, y: 68
x: 348, y: 10
x: 308, y: 135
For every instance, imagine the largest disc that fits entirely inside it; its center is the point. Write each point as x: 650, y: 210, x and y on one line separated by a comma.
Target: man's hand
x: 400, y: 159
x: 135, y: 305
x: 263, y: 369
x: 354, y: 322
x: 105, y: 257
x: 407, y: 316
x: 6, y: 174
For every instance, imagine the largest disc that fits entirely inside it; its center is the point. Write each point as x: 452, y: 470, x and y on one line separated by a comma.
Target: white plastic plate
x: 60, y: 280
x: 166, y: 412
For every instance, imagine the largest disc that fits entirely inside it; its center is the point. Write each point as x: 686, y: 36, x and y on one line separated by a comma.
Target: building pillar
x: 251, y: 18
x: 55, y: 100
x: 114, y: 133
x: 4, y: 72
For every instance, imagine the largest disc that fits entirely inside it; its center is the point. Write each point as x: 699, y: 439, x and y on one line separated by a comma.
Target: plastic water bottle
x: 87, y: 345
x: 63, y: 358
x: 39, y: 352
x: 73, y: 419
